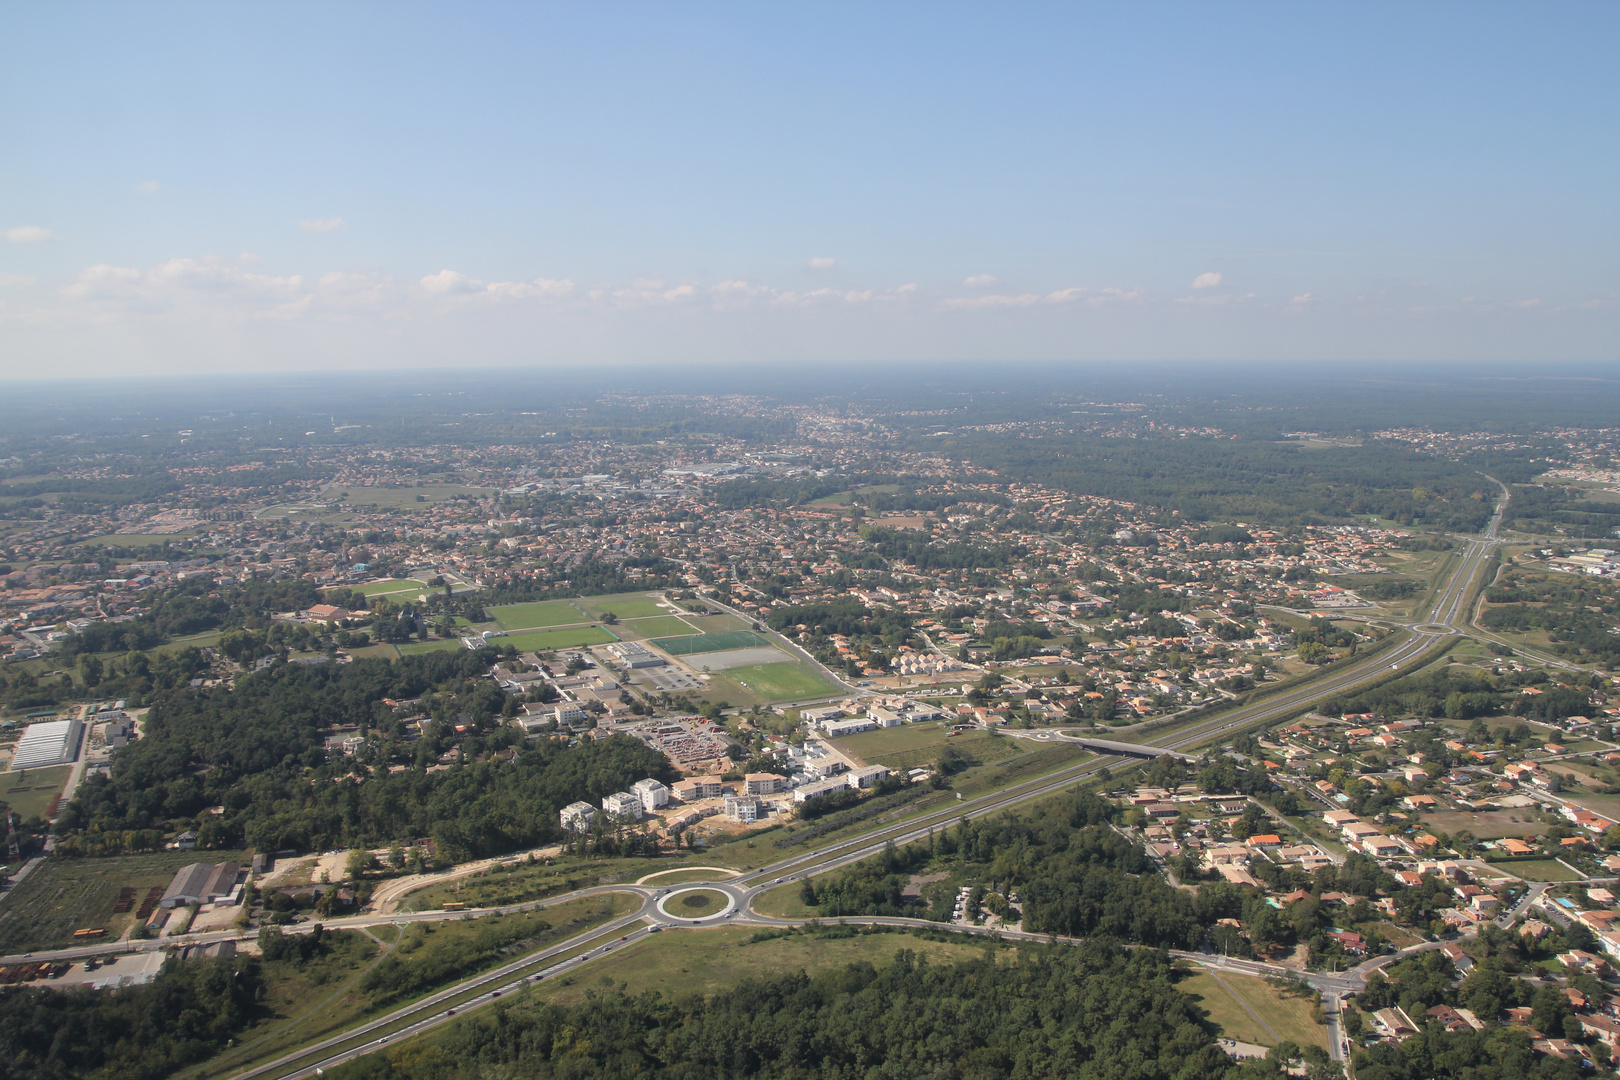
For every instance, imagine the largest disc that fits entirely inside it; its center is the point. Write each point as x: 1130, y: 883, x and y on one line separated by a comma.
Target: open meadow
x: 29, y: 793
x: 1251, y: 1010
x: 416, y: 648
x: 704, y: 960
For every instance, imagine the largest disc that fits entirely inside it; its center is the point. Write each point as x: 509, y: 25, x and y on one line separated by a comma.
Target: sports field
x: 541, y: 640
x: 781, y: 682
x: 542, y: 614
x: 660, y: 626
x: 624, y: 606
x: 393, y: 585
x: 702, y: 643
x: 417, y: 647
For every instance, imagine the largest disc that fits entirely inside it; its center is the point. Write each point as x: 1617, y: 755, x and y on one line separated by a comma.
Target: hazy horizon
x: 300, y: 187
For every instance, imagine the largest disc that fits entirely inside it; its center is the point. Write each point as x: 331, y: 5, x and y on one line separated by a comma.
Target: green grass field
x: 539, y: 615
x: 913, y: 746
x: 978, y: 747
x: 1293, y: 1019
x: 781, y: 682
x: 39, y: 788
x: 702, y: 961
x: 657, y: 627
x: 379, y: 652
x: 716, y: 624
x: 702, y: 643
x: 416, y: 648
x: 682, y: 877
x: 64, y: 895
x: 1540, y: 870
x: 542, y: 640
x: 624, y: 605
x: 522, y: 883
x: 393, y: 585
x: 783, y: 902
x: 698, y: 903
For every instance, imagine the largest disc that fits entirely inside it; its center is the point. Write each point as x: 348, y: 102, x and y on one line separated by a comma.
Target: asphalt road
x: 1423, y: 642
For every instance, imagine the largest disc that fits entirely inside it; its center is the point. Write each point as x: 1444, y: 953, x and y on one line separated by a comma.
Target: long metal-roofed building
x: 201, y: 883
x: 54, y: 742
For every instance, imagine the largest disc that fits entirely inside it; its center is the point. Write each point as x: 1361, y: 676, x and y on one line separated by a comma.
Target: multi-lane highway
x: 1415, y: 647
x: 1418, y: 646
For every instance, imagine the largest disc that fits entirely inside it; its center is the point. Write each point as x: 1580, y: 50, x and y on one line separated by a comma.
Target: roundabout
x: 1438, y: 629
x: 697, y: 904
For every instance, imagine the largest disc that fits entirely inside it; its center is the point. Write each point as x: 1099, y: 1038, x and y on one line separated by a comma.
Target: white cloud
x: 644, y: 292
x: 15, y: 281
x: 1302, y: 299
x: 1207, y: 281
x: 994, y: 300
x: 1064, y: 296
x: 148, y: 187
x: 28, y: 234
x: 319, y: 225
x: 737, y: 294
x: 822, y: 262
x: 446, y: 282
x: 188, y: 288
x: 1113, y: 295
x: 982, y: 281
x: 528, y: 290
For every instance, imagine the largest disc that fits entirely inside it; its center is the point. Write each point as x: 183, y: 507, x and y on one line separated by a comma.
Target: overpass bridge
x: 1108, y: 746
x: 1103, y: 746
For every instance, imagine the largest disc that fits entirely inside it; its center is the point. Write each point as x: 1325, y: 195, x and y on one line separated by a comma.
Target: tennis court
x: 702, y: 643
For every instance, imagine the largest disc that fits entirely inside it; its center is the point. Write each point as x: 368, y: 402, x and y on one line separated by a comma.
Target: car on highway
x: 449, y: 1012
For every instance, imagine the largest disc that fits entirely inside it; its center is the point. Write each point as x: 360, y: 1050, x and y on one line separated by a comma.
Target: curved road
x: 1422, y: 643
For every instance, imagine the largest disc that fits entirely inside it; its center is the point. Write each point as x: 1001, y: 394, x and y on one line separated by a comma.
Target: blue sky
x: 251, y: 187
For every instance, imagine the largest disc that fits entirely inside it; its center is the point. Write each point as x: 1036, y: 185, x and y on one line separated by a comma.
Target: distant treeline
x: 1261, y: 481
